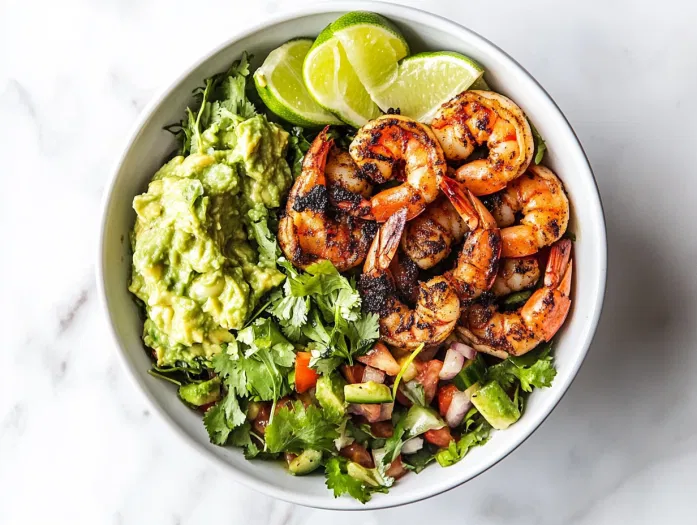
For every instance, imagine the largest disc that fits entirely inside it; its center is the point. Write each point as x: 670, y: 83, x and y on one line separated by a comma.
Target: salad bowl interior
x: 150, y: 145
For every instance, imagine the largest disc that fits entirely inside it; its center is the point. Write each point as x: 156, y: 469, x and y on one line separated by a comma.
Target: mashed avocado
x: 203, y: 255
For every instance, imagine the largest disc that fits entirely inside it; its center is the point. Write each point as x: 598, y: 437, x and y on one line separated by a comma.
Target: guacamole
x: 201, y: 258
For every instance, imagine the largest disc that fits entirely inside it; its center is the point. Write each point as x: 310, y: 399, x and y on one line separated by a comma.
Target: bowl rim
x: 395, y: 498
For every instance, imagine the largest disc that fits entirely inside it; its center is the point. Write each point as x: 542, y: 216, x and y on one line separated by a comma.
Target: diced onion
x: 452, y: 364
x: 412, y: 445
x: 459, y: 406
x: 467, y: 351
x: 373, y: 374
x: 386, y: 411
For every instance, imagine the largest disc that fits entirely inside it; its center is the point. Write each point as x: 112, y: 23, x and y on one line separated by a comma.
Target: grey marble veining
x: 79, y: 445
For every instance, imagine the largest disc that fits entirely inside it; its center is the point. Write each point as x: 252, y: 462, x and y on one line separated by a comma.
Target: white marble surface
x: 78, y: 444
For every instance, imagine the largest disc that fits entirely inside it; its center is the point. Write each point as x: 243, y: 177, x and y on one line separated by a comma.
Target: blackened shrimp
x: 517, y: 332
x: 310, y: 231
x: 478, y: 260
x: 478, y: 118
x: 396, y: 147
x: 537, y: 195
x: 437, y: 307
x: 347, y: 186
x: 515, y: 275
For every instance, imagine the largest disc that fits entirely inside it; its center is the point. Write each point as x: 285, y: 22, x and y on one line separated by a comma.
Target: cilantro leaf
x: 420, y: 459
x: 244, y: 438
x: 414, y: 392
x: 300, y: 428
x: 540, y: 145
x: 458, y: 449
x: 321, y: 309
x: 222, y: 418
x: 534, y: 369
x: 298, y: 144
x: 221, y: 103
x: 340, y: 482
x: 258, y: 228
x: 393, y: 445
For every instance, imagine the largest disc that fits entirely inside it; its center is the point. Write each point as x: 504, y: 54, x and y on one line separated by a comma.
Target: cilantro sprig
x: 321, y: 309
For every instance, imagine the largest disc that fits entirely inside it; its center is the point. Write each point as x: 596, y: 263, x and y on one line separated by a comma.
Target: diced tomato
x: 262, y: 418
x: 396, y: 469
x: 353, y: 373
x: 445, y: 397
x: 358, y: 454
x: 382, y: 429
x: 205, y: 408
x: 290, y: 457
x: 440, y: 437
x: 305, y: 377
x: 428, y: 377
x: 382, y: 359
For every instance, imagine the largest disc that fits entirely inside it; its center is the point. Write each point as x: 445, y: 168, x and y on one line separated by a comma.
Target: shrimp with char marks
x: 437, y: 307
x: 394, y: 147
x: 478, y: 260
x: 516, y: 275
x: 539, y: 197
x: 348, y: 186
x: 310, y: 231
x: 477, y: 118
x: 517, y: 332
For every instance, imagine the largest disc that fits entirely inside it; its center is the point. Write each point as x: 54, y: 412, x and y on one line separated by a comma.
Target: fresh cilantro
x: 458, y: 449
x: 222, y: 418
x: 243, y: 437
x: 330, y: 291
x: 221, y: 103
x: 267, y: 360
x: 159, y: 375
x: 534, y: 369
x: 393, y: 445
x: 540, y: 145
x: 516, y: 299
x: 321, y: 309
x: 298, y: 428
x: 257, y: 364
x: 298, y: 144
x: 414, y: 392
x: 420, y: 459
x: 339, y: 481
x: 258, y: 228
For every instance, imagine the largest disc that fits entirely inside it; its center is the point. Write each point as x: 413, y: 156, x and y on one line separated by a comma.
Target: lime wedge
x: 373, y: 45
x: 280, y: 85
x: 427, y: 80
x: 351, y: 56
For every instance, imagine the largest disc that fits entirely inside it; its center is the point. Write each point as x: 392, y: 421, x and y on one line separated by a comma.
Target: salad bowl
x: 149, y: 145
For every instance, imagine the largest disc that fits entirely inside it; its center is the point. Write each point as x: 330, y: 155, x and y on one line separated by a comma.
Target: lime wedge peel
x: 357, y: 50
x: 281, y: 87
x: 427, y: 80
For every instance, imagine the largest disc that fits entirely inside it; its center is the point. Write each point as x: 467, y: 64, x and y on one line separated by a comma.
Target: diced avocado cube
x: 421, y: 419
x: 472, y: 372
x: 330, y: 395
x: 305, y: 463
x: 199, y: 394
x: 494, y: 404
x: 368, y: 393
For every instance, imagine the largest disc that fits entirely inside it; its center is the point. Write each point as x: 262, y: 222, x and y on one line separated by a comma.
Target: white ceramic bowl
x: 149, y: 145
